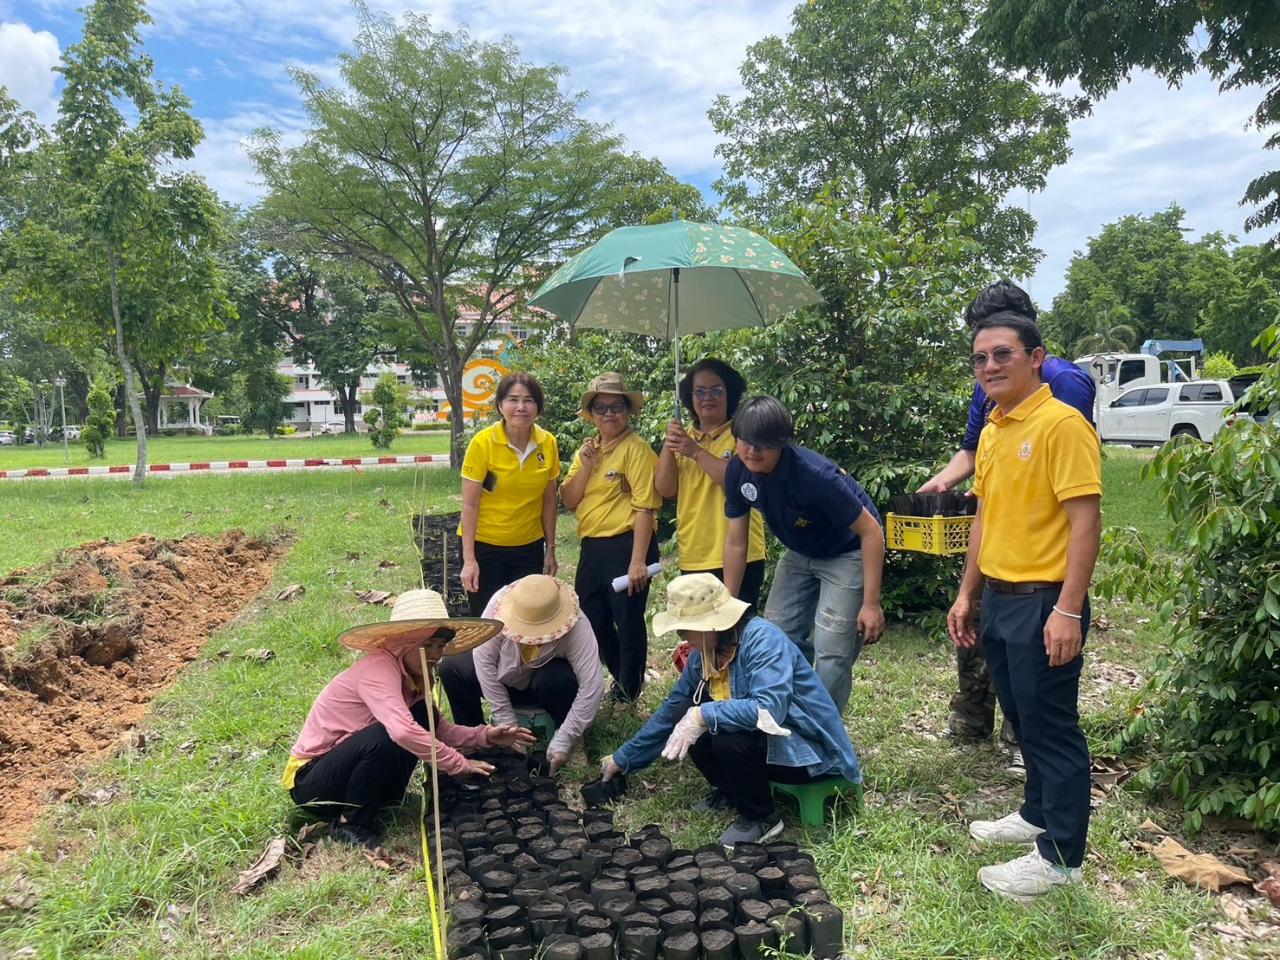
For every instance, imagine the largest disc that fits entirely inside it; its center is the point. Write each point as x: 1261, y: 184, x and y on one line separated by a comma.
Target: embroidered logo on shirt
x: 801, y: 522
x: 749, y: 492
x: 1025, y: 450
x: 727, y: 455
x: 542, y: 457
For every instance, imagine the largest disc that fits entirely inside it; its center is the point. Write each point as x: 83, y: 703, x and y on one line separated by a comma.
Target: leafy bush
x: 264, y: 391
x: 1218, y: 366
x: 100, y: 422
x: 1214, y: 723
x: 384, y: 410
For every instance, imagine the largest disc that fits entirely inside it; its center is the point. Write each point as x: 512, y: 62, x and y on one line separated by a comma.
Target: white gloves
x: 766, y: 724
x: 685, y: 734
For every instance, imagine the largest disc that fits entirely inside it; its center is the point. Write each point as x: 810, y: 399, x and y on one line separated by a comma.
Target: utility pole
x: 60, y: 382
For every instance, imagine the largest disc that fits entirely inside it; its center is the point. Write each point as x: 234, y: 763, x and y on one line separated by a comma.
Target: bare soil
x: 87, y: 641
x: 441, y: 550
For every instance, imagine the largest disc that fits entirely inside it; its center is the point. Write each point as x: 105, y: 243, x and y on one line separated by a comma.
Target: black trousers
x: 359, y: 776
x: 553, y: 687
x: 752, y: 581
x: 616, y: 618
x: 736, y: 765
x: 498, y: 567
x: 1042, y: 704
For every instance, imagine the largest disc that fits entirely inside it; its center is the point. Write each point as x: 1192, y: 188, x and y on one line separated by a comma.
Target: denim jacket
x: 767, y: 673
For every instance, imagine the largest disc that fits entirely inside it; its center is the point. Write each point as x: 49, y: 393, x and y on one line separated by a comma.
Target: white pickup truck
x: 1151, y: 414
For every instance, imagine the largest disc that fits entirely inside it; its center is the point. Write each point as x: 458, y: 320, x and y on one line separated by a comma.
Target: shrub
x: 1214, y: 725
x: 1218, y: 366
x: 384, y: 410
x: 100, y: 422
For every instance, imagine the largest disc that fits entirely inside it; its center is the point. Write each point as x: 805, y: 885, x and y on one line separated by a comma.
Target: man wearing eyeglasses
x: 1032, y: 550
x: 973, y: 705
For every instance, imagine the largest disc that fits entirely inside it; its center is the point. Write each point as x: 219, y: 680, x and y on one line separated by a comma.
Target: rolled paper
x: 620, y: 583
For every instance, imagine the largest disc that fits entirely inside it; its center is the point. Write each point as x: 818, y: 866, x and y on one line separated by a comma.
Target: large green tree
x: 893, y: 98
x: 445, y: 167
x: 114, y: 241
x: 1244, y: 304
x: 1101, y: 42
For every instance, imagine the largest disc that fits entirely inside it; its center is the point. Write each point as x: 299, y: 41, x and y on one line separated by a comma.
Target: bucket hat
x: 698, y: 601
x: 610, y: 382
x: 415, y: 617
x: 537, y: 609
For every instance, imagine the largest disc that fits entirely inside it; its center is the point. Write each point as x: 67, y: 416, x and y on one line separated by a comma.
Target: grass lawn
x: 200, y: 449
x: 149, y: 873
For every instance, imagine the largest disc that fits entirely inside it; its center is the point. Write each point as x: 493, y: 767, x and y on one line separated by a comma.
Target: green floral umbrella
x: 672, y: 278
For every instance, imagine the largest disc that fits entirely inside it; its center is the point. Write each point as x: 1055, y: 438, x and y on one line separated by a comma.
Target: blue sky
x: 651, y: 70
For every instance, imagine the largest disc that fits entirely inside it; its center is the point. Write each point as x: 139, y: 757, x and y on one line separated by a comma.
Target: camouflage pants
x: 973, y: 705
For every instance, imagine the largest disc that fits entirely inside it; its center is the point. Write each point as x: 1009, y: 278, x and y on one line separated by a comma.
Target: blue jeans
x: 815, y: 602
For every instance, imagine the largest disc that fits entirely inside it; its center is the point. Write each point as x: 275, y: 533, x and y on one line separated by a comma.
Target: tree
x: 1108, y: 337
x: 1101, y: 42
x: 100, y: 421
x: 264, y: 391
x: 1242, y: 305
x: 1144, y: 273
x: 384, y: 411
x: 444, y: 167
x: 115, y: 242
x: 892, y: 98
x: 1218, y: 366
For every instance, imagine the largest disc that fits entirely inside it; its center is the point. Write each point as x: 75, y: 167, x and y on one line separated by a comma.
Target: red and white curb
x: 227, y: 466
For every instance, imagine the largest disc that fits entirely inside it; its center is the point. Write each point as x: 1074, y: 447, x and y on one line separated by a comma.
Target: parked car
x: 1150, y: 415
x: 6, y: 438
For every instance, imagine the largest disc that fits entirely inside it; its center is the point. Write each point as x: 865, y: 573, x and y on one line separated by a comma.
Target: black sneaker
x: 357, y: 835
x: 715, y: 800
x: 751, y: 831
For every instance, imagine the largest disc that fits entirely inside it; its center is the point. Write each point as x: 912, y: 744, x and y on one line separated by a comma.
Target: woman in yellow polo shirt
x: 508, y: 526
x: 691, y: 469
x: 609, y: 487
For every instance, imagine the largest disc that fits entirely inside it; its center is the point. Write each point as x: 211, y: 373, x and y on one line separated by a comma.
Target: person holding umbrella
x: 826, y: 587
x: 508, y: 524
x: 609, y: 487
x: 369, y: 726
x: 691, y: 469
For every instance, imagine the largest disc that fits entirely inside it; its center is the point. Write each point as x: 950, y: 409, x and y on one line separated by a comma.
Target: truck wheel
x: 1185, y: 430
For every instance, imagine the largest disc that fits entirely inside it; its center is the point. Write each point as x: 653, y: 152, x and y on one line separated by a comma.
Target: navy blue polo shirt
x: 808, y: 502
x: 1066, y: 381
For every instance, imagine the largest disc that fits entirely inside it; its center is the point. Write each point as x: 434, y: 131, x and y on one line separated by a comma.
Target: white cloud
x: 27, y: 59
x: 223, y: 159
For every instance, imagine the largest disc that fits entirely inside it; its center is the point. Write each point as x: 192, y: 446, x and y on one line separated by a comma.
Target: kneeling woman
x: 367, y: 729
x: 747, y: 709
x: 545, y: 656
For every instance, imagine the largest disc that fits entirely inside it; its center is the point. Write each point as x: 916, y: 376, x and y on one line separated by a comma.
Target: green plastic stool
x: 537, y: 720
x: 812, y: 797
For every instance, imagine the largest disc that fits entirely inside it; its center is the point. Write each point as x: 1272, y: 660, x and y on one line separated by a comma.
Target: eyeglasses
x: 707, y: 393
x: 618, y: 406
x: 1001, y: 355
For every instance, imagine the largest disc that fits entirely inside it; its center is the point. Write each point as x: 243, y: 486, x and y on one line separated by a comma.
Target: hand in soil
x: 479, y: 767
x: 557, y: 760
x: 609, y: 769
x: 470, y: 576
x: 514, y: 738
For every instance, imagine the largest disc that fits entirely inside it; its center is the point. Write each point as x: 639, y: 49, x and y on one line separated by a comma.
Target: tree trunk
x: 130, y: 391
x: 457, y: 412
x: 348, y: 392
x: 152, y: 389
x: 121, y: 408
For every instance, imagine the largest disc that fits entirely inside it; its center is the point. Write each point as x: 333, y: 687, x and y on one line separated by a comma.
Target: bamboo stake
x: 428, y: 683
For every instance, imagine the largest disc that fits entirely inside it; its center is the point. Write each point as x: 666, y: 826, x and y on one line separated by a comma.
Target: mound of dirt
x: 87, y: 642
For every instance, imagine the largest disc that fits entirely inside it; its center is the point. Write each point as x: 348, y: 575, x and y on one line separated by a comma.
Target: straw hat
x: 415, y: 618
x: 537, y: 609
x: 610, y: 383
x: 698, y: 601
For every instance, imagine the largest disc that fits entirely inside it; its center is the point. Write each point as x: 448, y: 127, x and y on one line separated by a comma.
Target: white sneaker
x: 1010, y: 829
x: 1027, y: 877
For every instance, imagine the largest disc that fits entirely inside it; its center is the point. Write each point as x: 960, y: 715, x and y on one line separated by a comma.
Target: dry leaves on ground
x: 258, y: 655
x: 1270, y: 887
x: 291, y: 592
x: 1203, y: 870
x: 375, y: 596
x: 267, y: 864
x: 22, y: 898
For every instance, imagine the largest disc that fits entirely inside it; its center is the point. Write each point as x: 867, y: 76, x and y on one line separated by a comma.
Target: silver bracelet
x: 1073, y: 616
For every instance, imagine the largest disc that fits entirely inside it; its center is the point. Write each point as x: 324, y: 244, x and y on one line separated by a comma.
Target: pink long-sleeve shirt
x: 378, y: 689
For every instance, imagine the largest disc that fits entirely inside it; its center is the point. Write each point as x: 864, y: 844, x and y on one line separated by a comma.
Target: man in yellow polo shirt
x: 1031, y: 555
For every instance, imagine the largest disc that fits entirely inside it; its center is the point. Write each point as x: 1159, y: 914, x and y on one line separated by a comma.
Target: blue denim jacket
x: 770, y: 673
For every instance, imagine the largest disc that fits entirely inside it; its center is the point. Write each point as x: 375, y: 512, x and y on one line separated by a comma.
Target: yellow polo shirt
x: 1029, y: 461
x: 621, y: 484
x: 700, y: 521
x: 510, y: 514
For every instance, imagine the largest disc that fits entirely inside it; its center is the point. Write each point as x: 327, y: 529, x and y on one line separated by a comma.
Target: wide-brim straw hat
x: 537, y: 609
x: 698, y: 601
x: 415, y: 618
x: 610, y: 383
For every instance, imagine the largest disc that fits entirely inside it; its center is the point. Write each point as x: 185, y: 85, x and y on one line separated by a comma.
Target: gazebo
x: 180, y: 408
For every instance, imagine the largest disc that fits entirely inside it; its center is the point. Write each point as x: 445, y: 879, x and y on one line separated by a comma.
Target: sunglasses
x: 1001, y: 355
x: 618, y: 406
x: 707, y: 393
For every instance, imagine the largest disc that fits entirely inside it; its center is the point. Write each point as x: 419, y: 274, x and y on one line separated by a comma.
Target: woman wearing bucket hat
x: 508, y: 525
x: 545, y: 656
x: 609, y: 487
x: 748, y: 709
x: 367, y: 729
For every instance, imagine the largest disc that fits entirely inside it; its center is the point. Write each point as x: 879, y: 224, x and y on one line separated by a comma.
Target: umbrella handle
x: 675, y: 337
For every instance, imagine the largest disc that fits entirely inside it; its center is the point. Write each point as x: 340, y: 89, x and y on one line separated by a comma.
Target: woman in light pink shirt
x: 367, y: 729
